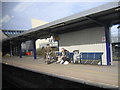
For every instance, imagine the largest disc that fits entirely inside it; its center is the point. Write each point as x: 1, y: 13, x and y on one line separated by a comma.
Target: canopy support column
x: 20, y: 50
x: 108, y: 51
x: 11, y: 49
x: 34, y: 49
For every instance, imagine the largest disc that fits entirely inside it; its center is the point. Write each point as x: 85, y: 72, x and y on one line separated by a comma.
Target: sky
x: 17, y: 15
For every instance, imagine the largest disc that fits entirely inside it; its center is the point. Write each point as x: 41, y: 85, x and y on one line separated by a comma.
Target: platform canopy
x: 107, y: 14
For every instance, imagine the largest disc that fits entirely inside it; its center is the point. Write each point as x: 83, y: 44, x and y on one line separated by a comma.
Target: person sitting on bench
x: 64, y: 58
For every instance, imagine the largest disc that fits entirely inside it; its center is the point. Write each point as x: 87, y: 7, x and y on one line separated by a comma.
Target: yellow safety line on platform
x: 85, y: 70
x: 112, y: 74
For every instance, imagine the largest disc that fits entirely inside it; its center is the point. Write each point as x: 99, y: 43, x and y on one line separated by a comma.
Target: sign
x: 56, y: 38
x: 103, y: 39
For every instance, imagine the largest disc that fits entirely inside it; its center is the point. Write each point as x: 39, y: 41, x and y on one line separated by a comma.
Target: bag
x: 66, y: 62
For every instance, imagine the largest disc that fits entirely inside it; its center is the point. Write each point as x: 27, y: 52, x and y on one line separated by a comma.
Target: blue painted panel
x: 71, y: 55
x: 91, y: 56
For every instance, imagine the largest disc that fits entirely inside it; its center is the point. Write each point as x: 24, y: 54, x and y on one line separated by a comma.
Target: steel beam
x: 95, y: 20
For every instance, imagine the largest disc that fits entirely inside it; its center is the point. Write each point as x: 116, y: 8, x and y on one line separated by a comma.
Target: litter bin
x: 76, y: 56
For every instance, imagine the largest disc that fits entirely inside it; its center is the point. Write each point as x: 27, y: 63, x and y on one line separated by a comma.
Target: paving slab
x: 101, y: 76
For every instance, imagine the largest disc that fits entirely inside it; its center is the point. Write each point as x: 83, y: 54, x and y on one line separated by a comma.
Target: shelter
x: 87, y: 31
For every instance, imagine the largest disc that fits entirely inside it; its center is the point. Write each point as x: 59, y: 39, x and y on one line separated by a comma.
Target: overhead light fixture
x: 57, y: 25
x: 117, y: 9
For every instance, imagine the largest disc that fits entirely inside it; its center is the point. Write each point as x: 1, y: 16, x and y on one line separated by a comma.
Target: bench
x: 70, y: 55
x: 91, y: 58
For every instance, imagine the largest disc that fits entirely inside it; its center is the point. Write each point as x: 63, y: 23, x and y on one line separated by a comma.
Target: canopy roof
x: 100, y: 16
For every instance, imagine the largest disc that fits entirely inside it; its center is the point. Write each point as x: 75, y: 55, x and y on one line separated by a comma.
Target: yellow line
x: 101, y: 72
x: 112, y: 74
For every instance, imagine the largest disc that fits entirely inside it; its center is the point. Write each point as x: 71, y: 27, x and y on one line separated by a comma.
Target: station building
x: 86, y: 40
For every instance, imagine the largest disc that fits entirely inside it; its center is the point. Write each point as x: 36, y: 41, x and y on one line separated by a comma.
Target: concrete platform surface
x: 101, y: 76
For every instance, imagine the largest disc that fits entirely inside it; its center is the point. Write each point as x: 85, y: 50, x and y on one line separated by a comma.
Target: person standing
x: 48, y: 51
